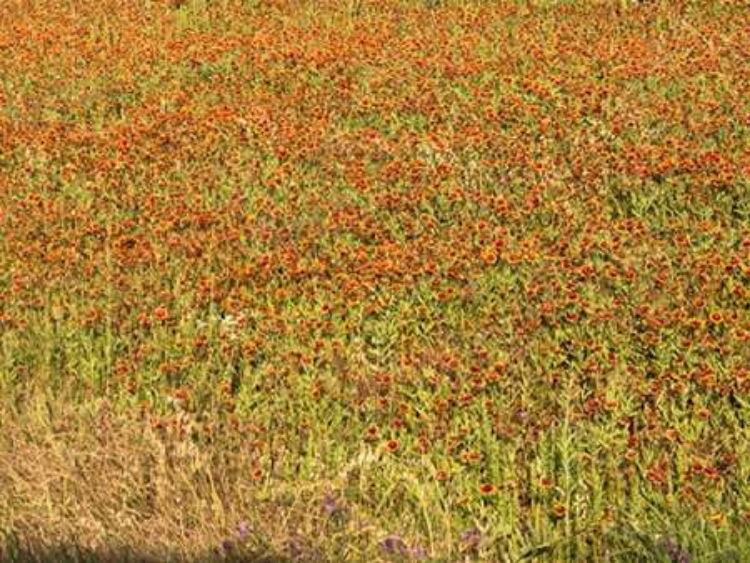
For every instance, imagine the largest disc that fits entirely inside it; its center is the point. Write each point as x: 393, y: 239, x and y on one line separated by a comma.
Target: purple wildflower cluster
x: 394, y: 544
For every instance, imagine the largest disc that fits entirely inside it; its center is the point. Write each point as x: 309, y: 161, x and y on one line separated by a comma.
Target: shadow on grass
x: 75, y: 554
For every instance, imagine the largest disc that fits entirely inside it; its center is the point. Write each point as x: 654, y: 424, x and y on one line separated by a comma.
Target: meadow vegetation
x: 374, y: 280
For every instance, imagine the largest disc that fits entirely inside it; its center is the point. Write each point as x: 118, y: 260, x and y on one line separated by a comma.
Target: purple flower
x: 394, y: 545
x: 298, y: 546
x: 472, y: 538
x: 331, y: 507
x: 675, y: 552
x: 243, y: 531
x: 227, y: 546
x: 419, y: 553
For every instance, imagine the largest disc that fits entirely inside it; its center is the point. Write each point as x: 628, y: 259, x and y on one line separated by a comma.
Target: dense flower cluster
x: 513, y: 242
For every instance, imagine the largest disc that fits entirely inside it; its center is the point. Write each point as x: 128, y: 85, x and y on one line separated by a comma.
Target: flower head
x: 394, y: 544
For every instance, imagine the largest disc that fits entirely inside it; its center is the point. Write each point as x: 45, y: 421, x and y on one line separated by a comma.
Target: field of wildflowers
x: 374, y: 280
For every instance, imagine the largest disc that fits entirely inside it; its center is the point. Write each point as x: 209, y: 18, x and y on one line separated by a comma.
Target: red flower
x: 487, y: 489
x: 392, y: 446
x: 161, y: 314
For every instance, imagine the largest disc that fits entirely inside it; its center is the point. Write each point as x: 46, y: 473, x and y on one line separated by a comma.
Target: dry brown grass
x: 88, y: 483
x: 101, y: 481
